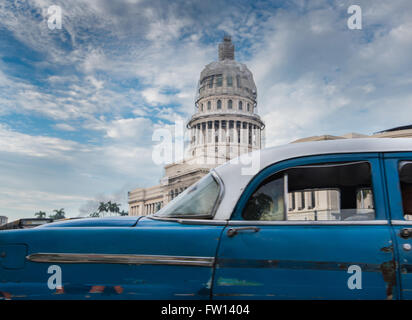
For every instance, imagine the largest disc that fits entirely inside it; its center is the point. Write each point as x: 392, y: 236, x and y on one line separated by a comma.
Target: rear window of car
x: 405, y: 177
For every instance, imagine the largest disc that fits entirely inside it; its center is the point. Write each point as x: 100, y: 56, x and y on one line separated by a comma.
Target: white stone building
x: 224, y: 125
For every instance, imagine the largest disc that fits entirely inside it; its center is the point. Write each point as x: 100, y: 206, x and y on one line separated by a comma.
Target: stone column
x: 244, y: 133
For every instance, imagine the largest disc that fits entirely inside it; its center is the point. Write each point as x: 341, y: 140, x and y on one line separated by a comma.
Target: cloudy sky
x: 78, y: 105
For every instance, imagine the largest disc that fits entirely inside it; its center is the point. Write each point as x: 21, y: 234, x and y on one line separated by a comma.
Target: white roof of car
x: 237, y: 173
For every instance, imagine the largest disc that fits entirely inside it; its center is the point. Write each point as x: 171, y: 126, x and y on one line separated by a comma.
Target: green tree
x: 102, y: 208
x: 58, y: 214
x: 113, y: 207
x: 40, y: 214
x: 108, y: 206
x: 124, y: 213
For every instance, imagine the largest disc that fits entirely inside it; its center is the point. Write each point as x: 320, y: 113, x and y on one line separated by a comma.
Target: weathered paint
x: 236, y: 282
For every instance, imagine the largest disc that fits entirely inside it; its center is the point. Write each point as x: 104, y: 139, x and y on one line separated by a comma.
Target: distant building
x: 3, y: 220
x: 224, y: 126
x: 398, y: 132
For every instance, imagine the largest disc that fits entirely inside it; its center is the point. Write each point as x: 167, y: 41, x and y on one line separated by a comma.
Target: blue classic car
x: 317, y: 220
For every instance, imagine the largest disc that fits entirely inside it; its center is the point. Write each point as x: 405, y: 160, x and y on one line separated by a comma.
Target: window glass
x: 333, y: 192
x: 229, y: 104
x: 240, y: 105
x: 405, y: 177
x: 208, y: 105
x: 229, y: 80
x: 219, y: 104
x: 267, y: 202
x: 196, y: 201
x: 211, y: 82
x: 219, y: 80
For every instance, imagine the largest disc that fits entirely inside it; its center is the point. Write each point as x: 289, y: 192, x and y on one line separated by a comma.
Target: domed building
x: 225, y: 125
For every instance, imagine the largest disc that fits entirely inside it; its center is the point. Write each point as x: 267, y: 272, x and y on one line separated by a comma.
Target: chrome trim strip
x: 121, y: 259
x: 401, y: 222
x: 203, y: 222
x: 153, y: 217
x: 306, y: 223
x: 191, y: 221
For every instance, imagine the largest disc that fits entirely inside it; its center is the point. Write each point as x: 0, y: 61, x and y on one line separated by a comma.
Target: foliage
x: 40, y: 214
x: 58, y: 214
x: 106, y: 207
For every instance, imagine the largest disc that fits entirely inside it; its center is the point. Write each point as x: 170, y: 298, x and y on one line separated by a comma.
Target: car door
x: 309, y: 228
x: 398, y: 171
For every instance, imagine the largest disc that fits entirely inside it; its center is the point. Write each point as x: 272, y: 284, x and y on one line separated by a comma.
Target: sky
x: 79, y: 105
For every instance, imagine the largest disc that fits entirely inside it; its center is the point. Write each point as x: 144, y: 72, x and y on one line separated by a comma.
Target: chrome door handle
x: 231, y: 232
x: 406, y: 233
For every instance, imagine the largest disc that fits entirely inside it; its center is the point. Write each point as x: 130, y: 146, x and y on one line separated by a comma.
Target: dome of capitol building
x: 225, y: 124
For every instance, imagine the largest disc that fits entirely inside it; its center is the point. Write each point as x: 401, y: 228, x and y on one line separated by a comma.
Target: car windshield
x: 196, y: 201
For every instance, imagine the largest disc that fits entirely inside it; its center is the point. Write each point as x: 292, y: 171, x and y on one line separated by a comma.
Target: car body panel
x: 304, y: 262
x: 116, y: 278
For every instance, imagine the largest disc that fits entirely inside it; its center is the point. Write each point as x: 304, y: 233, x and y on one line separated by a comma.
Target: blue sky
x: 78, y: 105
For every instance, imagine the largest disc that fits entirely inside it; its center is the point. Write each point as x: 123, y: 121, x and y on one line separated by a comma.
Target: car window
x: 405, y: 177
x: 197, y: 201
x: 332, y: 192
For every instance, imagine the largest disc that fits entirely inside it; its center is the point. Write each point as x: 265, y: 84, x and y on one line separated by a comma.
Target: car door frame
x: 390, y: 166
x: 381, y: 218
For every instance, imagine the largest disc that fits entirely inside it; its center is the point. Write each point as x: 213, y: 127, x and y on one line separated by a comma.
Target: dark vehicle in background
x: 25, y: 223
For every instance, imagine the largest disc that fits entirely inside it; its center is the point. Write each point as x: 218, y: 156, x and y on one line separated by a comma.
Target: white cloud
x: 153, y: 96
x: 64, y: 127
x: 36, y: 146
x: 135, y: 128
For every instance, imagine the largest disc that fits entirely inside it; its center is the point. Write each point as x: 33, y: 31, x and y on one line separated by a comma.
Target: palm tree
x: 124, y: 213
x: 40, y: 214
x: 113, y: 207
x: 102, y: 208
x: 59, y: 214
